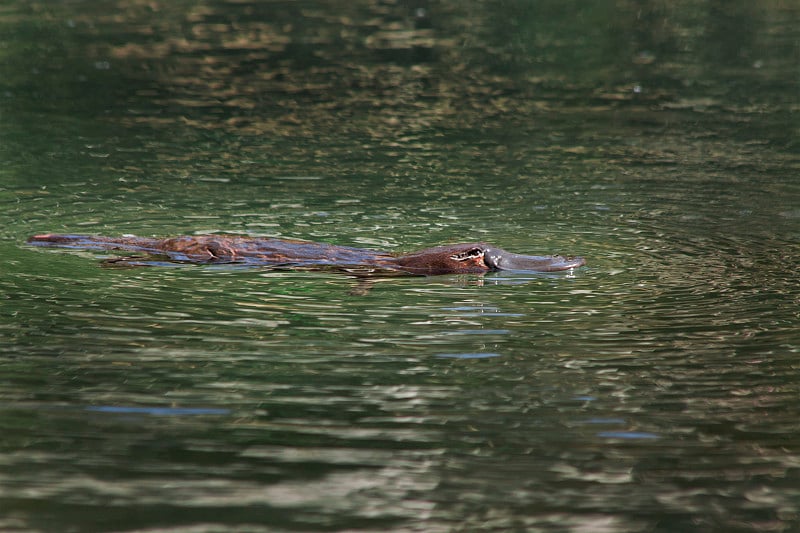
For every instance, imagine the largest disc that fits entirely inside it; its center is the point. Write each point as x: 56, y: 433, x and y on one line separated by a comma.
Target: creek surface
x: 656, y: 389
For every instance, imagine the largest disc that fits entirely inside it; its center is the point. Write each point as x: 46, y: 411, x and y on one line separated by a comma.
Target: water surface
x: 653, y: 390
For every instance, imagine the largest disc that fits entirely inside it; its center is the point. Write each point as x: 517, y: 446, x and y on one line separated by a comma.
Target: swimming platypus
x: 472, y: 258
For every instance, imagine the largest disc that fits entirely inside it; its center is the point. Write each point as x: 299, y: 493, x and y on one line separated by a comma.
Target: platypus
x: 470, y: 258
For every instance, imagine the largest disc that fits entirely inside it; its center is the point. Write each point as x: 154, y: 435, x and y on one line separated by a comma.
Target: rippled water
x: 653, y: 390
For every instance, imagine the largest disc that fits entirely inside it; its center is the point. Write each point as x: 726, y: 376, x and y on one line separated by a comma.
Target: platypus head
x: 476, y: 258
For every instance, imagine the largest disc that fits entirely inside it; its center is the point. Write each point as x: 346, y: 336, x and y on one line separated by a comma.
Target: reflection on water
x: 653, y: 390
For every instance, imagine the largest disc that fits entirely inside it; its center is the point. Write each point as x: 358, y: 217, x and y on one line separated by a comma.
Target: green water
x: 654, y: 390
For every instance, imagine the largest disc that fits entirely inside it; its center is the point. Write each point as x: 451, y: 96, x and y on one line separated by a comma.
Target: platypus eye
x: 472, y: 253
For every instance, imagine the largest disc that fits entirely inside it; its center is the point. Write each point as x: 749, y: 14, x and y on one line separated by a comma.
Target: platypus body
x: 471, y: 258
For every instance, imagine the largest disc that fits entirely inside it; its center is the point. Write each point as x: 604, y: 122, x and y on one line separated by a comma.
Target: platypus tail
x: 95, y: 242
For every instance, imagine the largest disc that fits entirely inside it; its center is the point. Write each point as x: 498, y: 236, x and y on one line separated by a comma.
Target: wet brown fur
x: 451, y: 259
